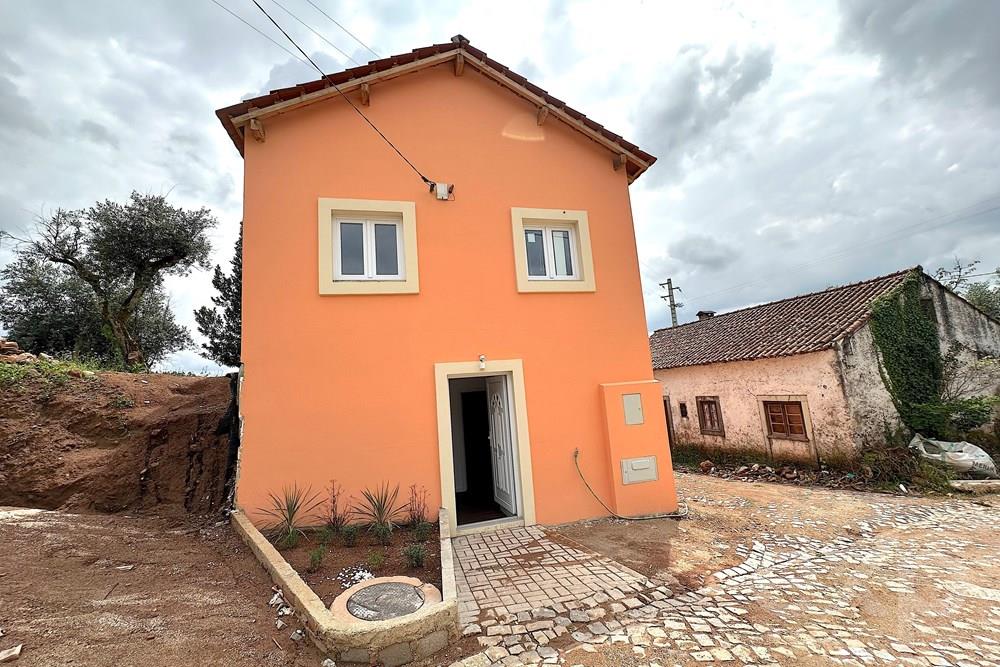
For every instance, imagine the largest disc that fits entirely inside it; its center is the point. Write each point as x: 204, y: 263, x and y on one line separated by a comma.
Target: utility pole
x: 669, y: 297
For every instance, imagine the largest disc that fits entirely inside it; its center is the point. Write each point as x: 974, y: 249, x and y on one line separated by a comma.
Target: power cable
x: 426, y: 180
x: 338, y: 24
x: 316, y: 32
x: 259, y: 32
x: 896, y: 234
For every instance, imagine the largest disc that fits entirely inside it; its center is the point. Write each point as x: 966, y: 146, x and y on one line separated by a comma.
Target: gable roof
x: 800, y: 324
x: 235, y: 117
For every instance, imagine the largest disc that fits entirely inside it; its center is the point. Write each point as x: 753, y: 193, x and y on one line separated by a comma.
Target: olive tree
x: 122, y: 251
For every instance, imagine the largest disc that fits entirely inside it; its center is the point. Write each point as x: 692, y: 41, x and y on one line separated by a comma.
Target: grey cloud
x: 701, y: 251
x: 97, y: 133
x: 694, y: 97
x: 946, y: 47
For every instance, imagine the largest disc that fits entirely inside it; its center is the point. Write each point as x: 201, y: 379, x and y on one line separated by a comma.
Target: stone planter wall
x: 390, y: 643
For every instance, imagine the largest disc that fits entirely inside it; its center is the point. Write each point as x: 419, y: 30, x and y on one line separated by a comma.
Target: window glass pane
x: 534, y: 244
x: 563, y: 256
x: 352, y: 249
x: 386, y: 250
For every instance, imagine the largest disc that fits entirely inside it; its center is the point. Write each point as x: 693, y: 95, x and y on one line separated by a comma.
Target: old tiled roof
x: 800, y: 324
x: 638, y: 160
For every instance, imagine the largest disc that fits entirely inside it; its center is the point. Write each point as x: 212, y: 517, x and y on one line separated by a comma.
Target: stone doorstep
x: 393, y: 642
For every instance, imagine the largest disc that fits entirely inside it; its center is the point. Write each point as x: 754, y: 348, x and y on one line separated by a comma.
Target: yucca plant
x: 288, y: 512
x: 380, y: 510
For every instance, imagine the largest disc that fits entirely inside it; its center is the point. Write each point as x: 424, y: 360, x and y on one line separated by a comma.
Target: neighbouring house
x: 472, y: 338
x: 817, y: 377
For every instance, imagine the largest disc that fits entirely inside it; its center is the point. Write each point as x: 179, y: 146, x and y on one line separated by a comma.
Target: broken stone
x: 297, y: 635
x: 279, y: 624
x: 471, y: 629
x: 11, y: 654
x: 328, y: 663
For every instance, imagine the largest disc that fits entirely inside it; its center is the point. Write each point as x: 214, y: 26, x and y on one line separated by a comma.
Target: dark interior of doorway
x: 477, y: 504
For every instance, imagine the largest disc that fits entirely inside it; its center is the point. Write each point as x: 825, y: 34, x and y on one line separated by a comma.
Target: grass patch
x: 13, y: 374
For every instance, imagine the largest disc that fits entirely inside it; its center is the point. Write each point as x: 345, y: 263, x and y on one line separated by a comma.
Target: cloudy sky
x: 801, y: 145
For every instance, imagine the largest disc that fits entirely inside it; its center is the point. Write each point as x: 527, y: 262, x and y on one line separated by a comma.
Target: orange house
x: 480, y: 338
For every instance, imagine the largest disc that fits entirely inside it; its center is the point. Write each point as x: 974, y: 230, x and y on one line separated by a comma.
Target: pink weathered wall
x: 739, y: 386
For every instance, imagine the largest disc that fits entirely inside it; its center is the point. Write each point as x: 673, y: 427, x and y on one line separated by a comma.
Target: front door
x: 501, y: 444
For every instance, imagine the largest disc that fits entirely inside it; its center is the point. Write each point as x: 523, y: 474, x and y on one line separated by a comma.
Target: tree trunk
x: 124, y: 341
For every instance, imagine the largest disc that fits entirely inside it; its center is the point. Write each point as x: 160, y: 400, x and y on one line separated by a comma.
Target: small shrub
x: 422, y: 531
x: 416, y: 508
x: 349, y: 535
x: 415, y: 555
x: 12, y: 374
x: 336, y: 513
x: 382, y: 533
x: 316, y: 558
x: 325, y: 535
x: 121, y: 401
x: 379, y: 507
x: 375, y: 560
x: 288, y: 513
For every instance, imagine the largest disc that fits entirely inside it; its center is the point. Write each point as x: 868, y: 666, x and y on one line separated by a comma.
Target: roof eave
x: 236, y: 116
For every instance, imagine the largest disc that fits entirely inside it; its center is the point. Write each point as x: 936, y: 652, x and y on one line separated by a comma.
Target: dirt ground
x: 117, y: 441
x: 101, y: 590
x: 324, y: 580
x: 721, y: 515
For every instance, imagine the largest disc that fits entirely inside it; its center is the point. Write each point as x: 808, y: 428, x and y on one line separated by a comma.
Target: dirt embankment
x: 115, y: 442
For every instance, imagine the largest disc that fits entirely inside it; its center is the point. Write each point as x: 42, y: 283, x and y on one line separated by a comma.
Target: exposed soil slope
x: 114, y: 442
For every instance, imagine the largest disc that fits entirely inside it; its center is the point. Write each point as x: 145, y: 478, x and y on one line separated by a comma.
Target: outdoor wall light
x: 482, y: 362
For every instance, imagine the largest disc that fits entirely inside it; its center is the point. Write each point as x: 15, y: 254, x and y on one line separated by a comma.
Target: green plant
x: 121, y: 401
x: 415, y: 555
x: 316, y: 558
x: 382, y: 533
x: 422, y: 531
x: 12, y: 374
x: 416, y: 508
x: 379, y: 510
x: 325, y: 535
x: 375, y: 560
x: 288, y: 512
x: 349, y: 534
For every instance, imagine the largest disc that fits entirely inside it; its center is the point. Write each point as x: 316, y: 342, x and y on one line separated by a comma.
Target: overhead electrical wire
x: 338, y: 24
x: 426, y: 180
x: 260, y: 32
x: 317, y: 33
x: 947, y: 217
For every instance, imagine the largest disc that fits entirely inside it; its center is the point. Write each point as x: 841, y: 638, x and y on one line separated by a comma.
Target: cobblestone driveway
x: 913, y: 582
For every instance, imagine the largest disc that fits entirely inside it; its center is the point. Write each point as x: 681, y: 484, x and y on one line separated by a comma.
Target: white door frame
x: 518, y: 412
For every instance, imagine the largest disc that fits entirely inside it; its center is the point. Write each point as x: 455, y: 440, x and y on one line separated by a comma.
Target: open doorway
x: 483, y: 449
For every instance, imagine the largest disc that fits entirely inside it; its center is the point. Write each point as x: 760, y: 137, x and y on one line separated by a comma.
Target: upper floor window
x: 550, y: 252
x: 369, y: 248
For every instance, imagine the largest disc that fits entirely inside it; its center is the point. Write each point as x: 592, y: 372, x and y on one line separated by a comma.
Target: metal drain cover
x: 379, y: 602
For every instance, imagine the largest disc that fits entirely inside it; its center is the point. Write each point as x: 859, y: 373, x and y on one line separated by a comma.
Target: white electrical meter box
x: 633, y: 409
x: 639, y: 470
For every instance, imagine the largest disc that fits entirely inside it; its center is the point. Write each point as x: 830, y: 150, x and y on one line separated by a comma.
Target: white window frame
x: 548, y: 249
x: 368, y: 246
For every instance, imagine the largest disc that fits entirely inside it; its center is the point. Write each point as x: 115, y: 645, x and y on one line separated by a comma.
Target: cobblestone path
x: 915, y: 582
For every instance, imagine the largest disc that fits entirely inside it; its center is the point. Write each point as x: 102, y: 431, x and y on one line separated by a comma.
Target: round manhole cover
x: 379, y: 602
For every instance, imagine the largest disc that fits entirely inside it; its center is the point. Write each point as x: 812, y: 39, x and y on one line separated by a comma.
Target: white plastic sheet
x: 963, y: 456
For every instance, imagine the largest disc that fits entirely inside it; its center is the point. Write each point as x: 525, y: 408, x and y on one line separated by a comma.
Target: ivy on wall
x: 913, y: 368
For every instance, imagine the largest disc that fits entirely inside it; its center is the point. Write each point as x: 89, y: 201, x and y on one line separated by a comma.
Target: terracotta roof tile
x: 796, y: 325
x: 227, y: 114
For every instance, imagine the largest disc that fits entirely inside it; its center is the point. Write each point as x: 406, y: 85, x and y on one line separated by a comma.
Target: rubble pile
x: 784, y: 474
x: 11, y: 352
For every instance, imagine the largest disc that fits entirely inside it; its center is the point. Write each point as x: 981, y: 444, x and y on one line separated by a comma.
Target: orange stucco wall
x: 342, y: 387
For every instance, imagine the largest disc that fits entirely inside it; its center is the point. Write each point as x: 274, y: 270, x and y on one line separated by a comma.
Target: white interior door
x: 501, y: 444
